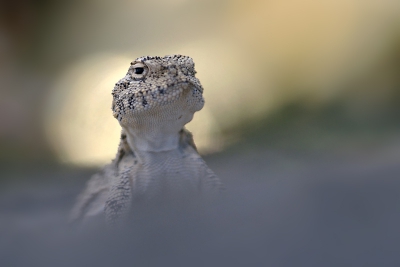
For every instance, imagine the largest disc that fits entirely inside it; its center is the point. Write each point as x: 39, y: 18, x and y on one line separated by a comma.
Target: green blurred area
x: 293, y: 75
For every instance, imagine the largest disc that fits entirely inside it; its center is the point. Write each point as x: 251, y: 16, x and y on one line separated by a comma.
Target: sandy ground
x: 281, y: 208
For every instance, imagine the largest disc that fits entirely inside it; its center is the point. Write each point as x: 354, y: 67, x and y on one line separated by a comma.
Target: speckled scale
x: 159, y: 87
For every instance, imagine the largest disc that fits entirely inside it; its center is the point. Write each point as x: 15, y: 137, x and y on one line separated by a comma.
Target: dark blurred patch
x: 24, y: 25
x: 23, y: 86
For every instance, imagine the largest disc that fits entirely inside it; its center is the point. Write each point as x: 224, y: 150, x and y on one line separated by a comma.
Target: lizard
x: 157, y: 158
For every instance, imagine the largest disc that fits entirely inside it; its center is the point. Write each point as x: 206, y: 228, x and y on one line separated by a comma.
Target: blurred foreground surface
x: 282, y: 208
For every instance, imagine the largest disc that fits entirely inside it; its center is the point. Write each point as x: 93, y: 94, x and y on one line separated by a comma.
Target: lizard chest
x: 173, y: 175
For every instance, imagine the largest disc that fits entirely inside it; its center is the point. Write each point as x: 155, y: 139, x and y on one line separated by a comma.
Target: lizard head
x: 158, y: 88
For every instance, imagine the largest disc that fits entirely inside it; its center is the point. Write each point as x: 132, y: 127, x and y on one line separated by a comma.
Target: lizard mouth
x: 139, y: 101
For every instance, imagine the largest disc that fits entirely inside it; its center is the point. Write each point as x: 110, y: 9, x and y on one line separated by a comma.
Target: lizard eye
x: 139, y: 70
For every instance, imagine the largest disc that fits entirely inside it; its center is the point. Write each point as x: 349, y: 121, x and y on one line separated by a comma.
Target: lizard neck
x: 158, y: 130
x: 152, y: 141
x: 157, y: 137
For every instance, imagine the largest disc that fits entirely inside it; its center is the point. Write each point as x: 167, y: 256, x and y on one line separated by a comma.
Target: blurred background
x: 301, y: 122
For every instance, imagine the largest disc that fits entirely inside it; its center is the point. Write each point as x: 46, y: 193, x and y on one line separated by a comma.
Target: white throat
x: 154, y: 134
x: 157, y: 129
x: 152, y: 141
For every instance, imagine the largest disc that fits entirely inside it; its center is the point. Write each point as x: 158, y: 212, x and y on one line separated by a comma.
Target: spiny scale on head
x: 163, y: 83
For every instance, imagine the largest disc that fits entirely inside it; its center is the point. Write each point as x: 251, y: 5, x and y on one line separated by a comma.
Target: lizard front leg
x: 119, y: 200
